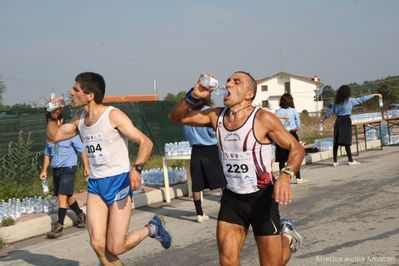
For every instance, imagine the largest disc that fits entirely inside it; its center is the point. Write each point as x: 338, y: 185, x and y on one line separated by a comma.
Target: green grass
x: 7, y: 221
x: 2, y: 242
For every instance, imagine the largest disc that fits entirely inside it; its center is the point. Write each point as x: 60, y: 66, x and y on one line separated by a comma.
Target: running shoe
x: 335, y: 164
x: 301, y: 180
x: 202, y: 218
x: 81, y: 220
x: 353, y: 163
x: 160, y: 233
x: 288, y: 227
x: 56, y: 231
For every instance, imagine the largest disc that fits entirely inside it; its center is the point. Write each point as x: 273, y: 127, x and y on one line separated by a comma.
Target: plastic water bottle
x: 55, y: 102
x: 380, y: 102
x: 321, y: 129
x: 45, y: 187
x: 208, y: 82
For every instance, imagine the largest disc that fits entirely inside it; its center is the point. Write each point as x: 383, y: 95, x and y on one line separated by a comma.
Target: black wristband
x: 190, y: 99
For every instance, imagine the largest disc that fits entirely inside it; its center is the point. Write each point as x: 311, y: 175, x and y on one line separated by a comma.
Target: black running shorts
x: 64, y: 180
x: 257, y: 209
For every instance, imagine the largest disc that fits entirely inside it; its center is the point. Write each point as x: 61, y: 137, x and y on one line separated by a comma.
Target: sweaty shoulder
x: 265, y: 116
x: 265, y: 121
x: 117, y: 117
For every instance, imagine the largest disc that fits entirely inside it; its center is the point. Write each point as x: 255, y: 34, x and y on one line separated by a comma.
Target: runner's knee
x: 115, y: 248
x: 98, y: 246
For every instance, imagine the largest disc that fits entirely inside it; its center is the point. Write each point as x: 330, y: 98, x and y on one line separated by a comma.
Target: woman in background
x: 289, y: 117
x: 342, y: 108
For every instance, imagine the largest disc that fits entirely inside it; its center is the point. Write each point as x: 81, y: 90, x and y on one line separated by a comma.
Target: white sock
x: 289, y: 237
x: 152, y: 229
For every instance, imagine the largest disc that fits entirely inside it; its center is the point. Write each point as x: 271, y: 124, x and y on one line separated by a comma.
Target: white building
x: 304, y: 89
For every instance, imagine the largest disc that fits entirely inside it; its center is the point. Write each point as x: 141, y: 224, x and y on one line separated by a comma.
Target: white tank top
x: 247, y: 163
x: 106, y: 148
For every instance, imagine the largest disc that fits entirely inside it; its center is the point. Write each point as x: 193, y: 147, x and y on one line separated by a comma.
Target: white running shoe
x: 353, y: 163
x: 335, y: 164
x: 301, y: 180
x: 288, y: 227
x: 202, y: 218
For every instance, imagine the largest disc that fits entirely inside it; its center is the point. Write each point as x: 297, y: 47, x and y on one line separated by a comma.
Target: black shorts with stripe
x: 257, y: 209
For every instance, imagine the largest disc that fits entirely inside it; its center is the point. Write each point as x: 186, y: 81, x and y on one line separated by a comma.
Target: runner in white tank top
x: 104, y: 132
x: 106, y: 148
x: 247, y: 163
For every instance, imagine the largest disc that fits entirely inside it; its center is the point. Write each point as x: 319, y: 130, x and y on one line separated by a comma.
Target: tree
x: 170, y: 97
x: 328, y: 95
x: 2, y: 90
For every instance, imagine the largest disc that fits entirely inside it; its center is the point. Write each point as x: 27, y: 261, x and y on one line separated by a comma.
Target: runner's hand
x: 282, y: 190
x: 43, y: 176
x: 135, y: 179
x: 86, y: 172
x: 200, y: 92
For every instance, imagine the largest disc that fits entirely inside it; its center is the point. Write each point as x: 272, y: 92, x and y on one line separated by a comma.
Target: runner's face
x: 237, y: 89
x: 78, y: 97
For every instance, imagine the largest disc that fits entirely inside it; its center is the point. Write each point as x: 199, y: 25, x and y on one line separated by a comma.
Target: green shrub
x: 19, y: 169
x: 8, y: 221
x: 2, y: 242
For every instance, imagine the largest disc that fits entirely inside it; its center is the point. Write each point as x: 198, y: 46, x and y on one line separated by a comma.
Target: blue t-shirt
x: 293, y: 122
x: 64, y: 153
x: 200, y: 135
x: 345, y: 108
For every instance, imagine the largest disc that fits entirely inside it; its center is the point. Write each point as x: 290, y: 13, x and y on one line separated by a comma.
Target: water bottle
x: 380, y: 102
x: 321, y: 129
x: 208, y: 82
x: 45, y: 187
x: 55, y: 102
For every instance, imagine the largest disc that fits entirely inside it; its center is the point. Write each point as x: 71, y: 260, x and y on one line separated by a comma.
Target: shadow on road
x: 36, y: 259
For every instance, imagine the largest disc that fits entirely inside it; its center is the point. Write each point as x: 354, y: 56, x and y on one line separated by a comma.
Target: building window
x: 264, y: 88
x: 287, y: 87
x: 265, y: 104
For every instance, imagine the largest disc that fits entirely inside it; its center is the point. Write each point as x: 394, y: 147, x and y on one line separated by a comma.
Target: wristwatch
x: 139, y: 167
x: 288, y: 170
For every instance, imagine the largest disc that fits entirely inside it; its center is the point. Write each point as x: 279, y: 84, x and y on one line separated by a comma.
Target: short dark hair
x: 252, y: 82
x: 286, y: 101
x: 343, y: 93
x: 92, y: 82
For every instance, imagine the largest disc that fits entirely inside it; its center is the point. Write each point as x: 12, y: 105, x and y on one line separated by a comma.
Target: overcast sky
x: 45, y: 44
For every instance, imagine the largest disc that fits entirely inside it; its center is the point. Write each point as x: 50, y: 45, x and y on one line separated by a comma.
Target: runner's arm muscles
x: 181, y: 114
x: 284, y: 139
x: 57, y: 132
x: 124, y: 125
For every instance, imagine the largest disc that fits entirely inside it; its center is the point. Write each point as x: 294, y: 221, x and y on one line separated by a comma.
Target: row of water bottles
x: 324, y: 144
x: 15, y: 208
x: 392, y: 114
x: 181, y: 148
x: 367, y: 117
x: 154, y: 177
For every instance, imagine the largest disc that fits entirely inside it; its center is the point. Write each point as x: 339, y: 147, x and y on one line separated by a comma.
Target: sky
x: 45, y: 44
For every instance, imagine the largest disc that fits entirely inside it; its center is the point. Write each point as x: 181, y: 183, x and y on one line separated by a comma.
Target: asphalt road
x: 347, y: 215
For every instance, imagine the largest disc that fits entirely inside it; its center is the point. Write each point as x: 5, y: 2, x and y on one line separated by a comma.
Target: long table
x: 392, y: 122
x: 367, y: 127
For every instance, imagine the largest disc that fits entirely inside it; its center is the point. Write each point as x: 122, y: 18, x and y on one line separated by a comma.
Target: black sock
x: 75, y: 207
x: 349, y: 153
x: 61, y: 215
x: 198, y: 207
